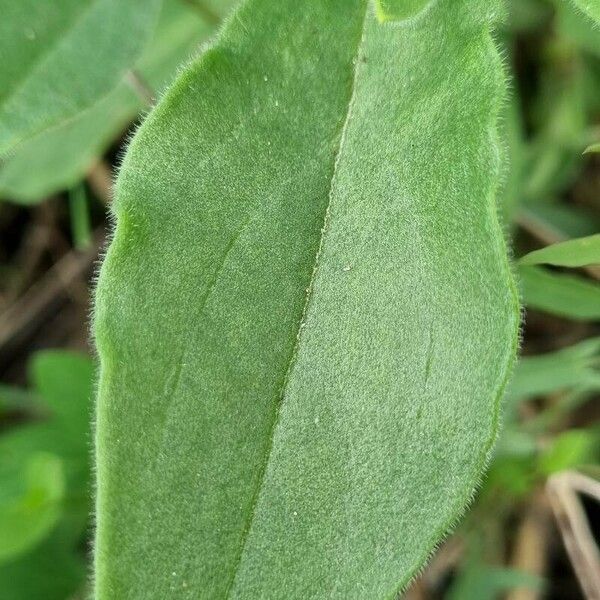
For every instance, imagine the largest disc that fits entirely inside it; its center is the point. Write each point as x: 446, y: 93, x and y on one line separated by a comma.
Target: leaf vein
x: 309, y: 295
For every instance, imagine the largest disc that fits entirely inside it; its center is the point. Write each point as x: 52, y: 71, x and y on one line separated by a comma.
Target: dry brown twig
x: 205, y: 11
x: 563, y: 492
x: 140, y: 86
x: 529, y: 553
x: 28, y: 311
x: 100, y: 180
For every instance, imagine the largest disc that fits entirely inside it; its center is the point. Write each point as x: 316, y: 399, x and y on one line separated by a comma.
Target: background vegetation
x: 56, y: 187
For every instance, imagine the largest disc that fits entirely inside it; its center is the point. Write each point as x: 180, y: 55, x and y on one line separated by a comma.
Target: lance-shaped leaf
x: 572, y: 253
x: 58, y: 58
x: 306, y: 317
x: 568, y: 296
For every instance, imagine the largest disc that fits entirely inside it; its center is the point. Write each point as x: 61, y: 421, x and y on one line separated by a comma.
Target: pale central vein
x: 309, y: 296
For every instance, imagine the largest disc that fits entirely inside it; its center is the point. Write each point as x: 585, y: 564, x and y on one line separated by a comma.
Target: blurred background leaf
x: 50, y: 68
x: 45, y: 470
x: 572, y: 253
x: 59, y: 158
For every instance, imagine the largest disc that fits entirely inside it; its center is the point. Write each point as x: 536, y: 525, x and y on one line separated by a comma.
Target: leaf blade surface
x: 315, y: 329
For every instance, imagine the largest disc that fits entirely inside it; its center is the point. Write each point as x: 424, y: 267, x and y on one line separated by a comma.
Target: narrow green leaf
x: 559, y: 221
x: 50, y: 53
x: 593, y: 149
x: 570, y: 450
x: 305, y: 320
x: 560, y: 115
x: 563, y: 295
x: 575, y: 367
x: 572, y: 253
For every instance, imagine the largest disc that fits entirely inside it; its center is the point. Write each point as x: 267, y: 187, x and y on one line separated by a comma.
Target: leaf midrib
x: 309, y: 295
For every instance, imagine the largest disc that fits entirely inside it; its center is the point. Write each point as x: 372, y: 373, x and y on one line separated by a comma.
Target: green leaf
x: 57, y: 159
x: 397, y: 10
x: 560, y: 127
x: 47, y: 461
x: 559, y: 221
x: 594, y: 148
x: 54, y: 570
x: 577, y: 366
x: 27, y: 519
x: 590, y: 7
x: 487, y: 583
x: 567, y: 296
x: 511, y: 127
x: 50, y: 58
x: 577, y: 27
x: 305, y: 320
x: 572, y: 253
x: 570, y: 450
x: 65, y: 382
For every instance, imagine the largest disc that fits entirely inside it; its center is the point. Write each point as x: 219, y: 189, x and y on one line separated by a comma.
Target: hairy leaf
x: 577, y: 27
x: 60, y: 57
x: 511, y: 129
x: 589, y: 7
x: 392, y: 10
x: 572, y: 253
x: 306, y: 317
